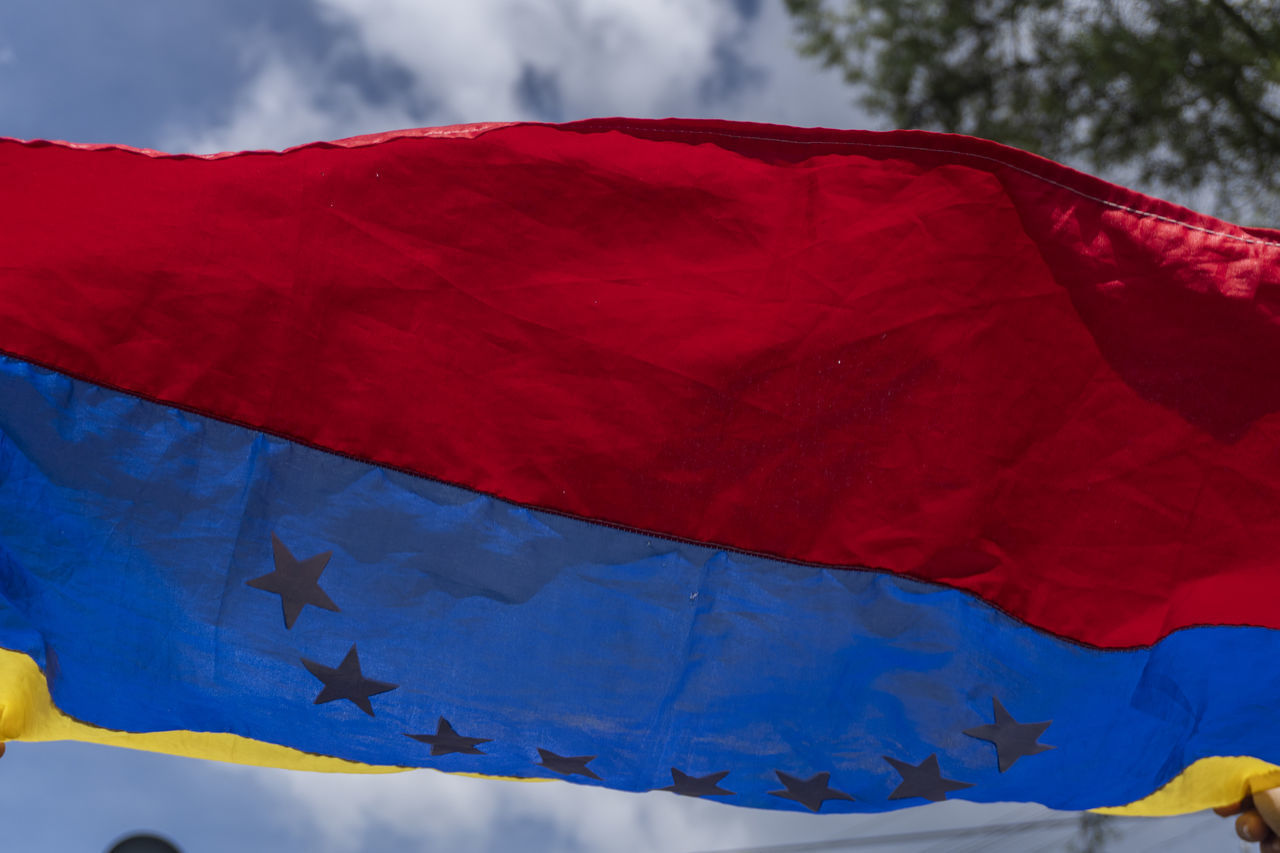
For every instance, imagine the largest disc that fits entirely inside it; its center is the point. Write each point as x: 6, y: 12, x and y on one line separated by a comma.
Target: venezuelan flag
x: 795, y: 469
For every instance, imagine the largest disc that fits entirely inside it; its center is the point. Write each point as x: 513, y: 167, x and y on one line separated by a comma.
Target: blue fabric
x: 128, y: 531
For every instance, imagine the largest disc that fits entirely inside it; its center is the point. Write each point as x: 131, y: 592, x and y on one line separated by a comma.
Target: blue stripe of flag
x: 129, y: 531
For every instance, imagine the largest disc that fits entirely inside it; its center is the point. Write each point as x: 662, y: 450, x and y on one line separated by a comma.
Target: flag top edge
x: 1083, y: 184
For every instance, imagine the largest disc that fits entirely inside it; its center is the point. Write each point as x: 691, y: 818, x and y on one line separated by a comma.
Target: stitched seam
x: 286, y: 435
x: 987, y: 157
x: 391, y: 136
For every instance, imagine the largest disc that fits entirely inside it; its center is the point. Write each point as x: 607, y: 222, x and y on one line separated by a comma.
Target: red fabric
x: 922, y: 353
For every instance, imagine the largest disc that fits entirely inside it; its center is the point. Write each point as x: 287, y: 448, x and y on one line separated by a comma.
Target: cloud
x: 505, y: 60
x: 640, y: 57
x: 290, y: 102
x: 426, y: 810
x: 792, y: 89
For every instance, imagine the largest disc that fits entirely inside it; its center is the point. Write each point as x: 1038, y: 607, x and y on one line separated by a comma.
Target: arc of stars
x: 297, y: 583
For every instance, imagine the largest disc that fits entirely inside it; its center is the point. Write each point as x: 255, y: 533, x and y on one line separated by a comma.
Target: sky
x: 201, y: 76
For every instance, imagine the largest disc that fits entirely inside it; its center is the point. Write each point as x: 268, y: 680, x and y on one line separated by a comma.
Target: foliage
x: 1183, y: 95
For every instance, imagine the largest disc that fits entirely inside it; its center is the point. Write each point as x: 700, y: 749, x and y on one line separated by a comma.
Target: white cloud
x: 427, y: 811
x: 638, y: 57
x: 441, y: 811
x: 505, y: 60
x: 467, y: 62
x: 288, y: 103
x: 794, y: 89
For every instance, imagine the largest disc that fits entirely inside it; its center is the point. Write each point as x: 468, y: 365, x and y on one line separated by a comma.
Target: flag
x: 798, y: 469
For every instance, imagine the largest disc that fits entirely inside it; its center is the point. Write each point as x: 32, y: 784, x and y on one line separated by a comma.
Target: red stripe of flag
x: 921, y: 353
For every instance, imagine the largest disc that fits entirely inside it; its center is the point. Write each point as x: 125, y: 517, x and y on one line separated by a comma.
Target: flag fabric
x: 798, y: 469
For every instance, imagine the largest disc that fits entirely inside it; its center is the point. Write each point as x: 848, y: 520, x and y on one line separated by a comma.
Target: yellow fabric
x: 1208, y: 783
x: 28, y: 714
